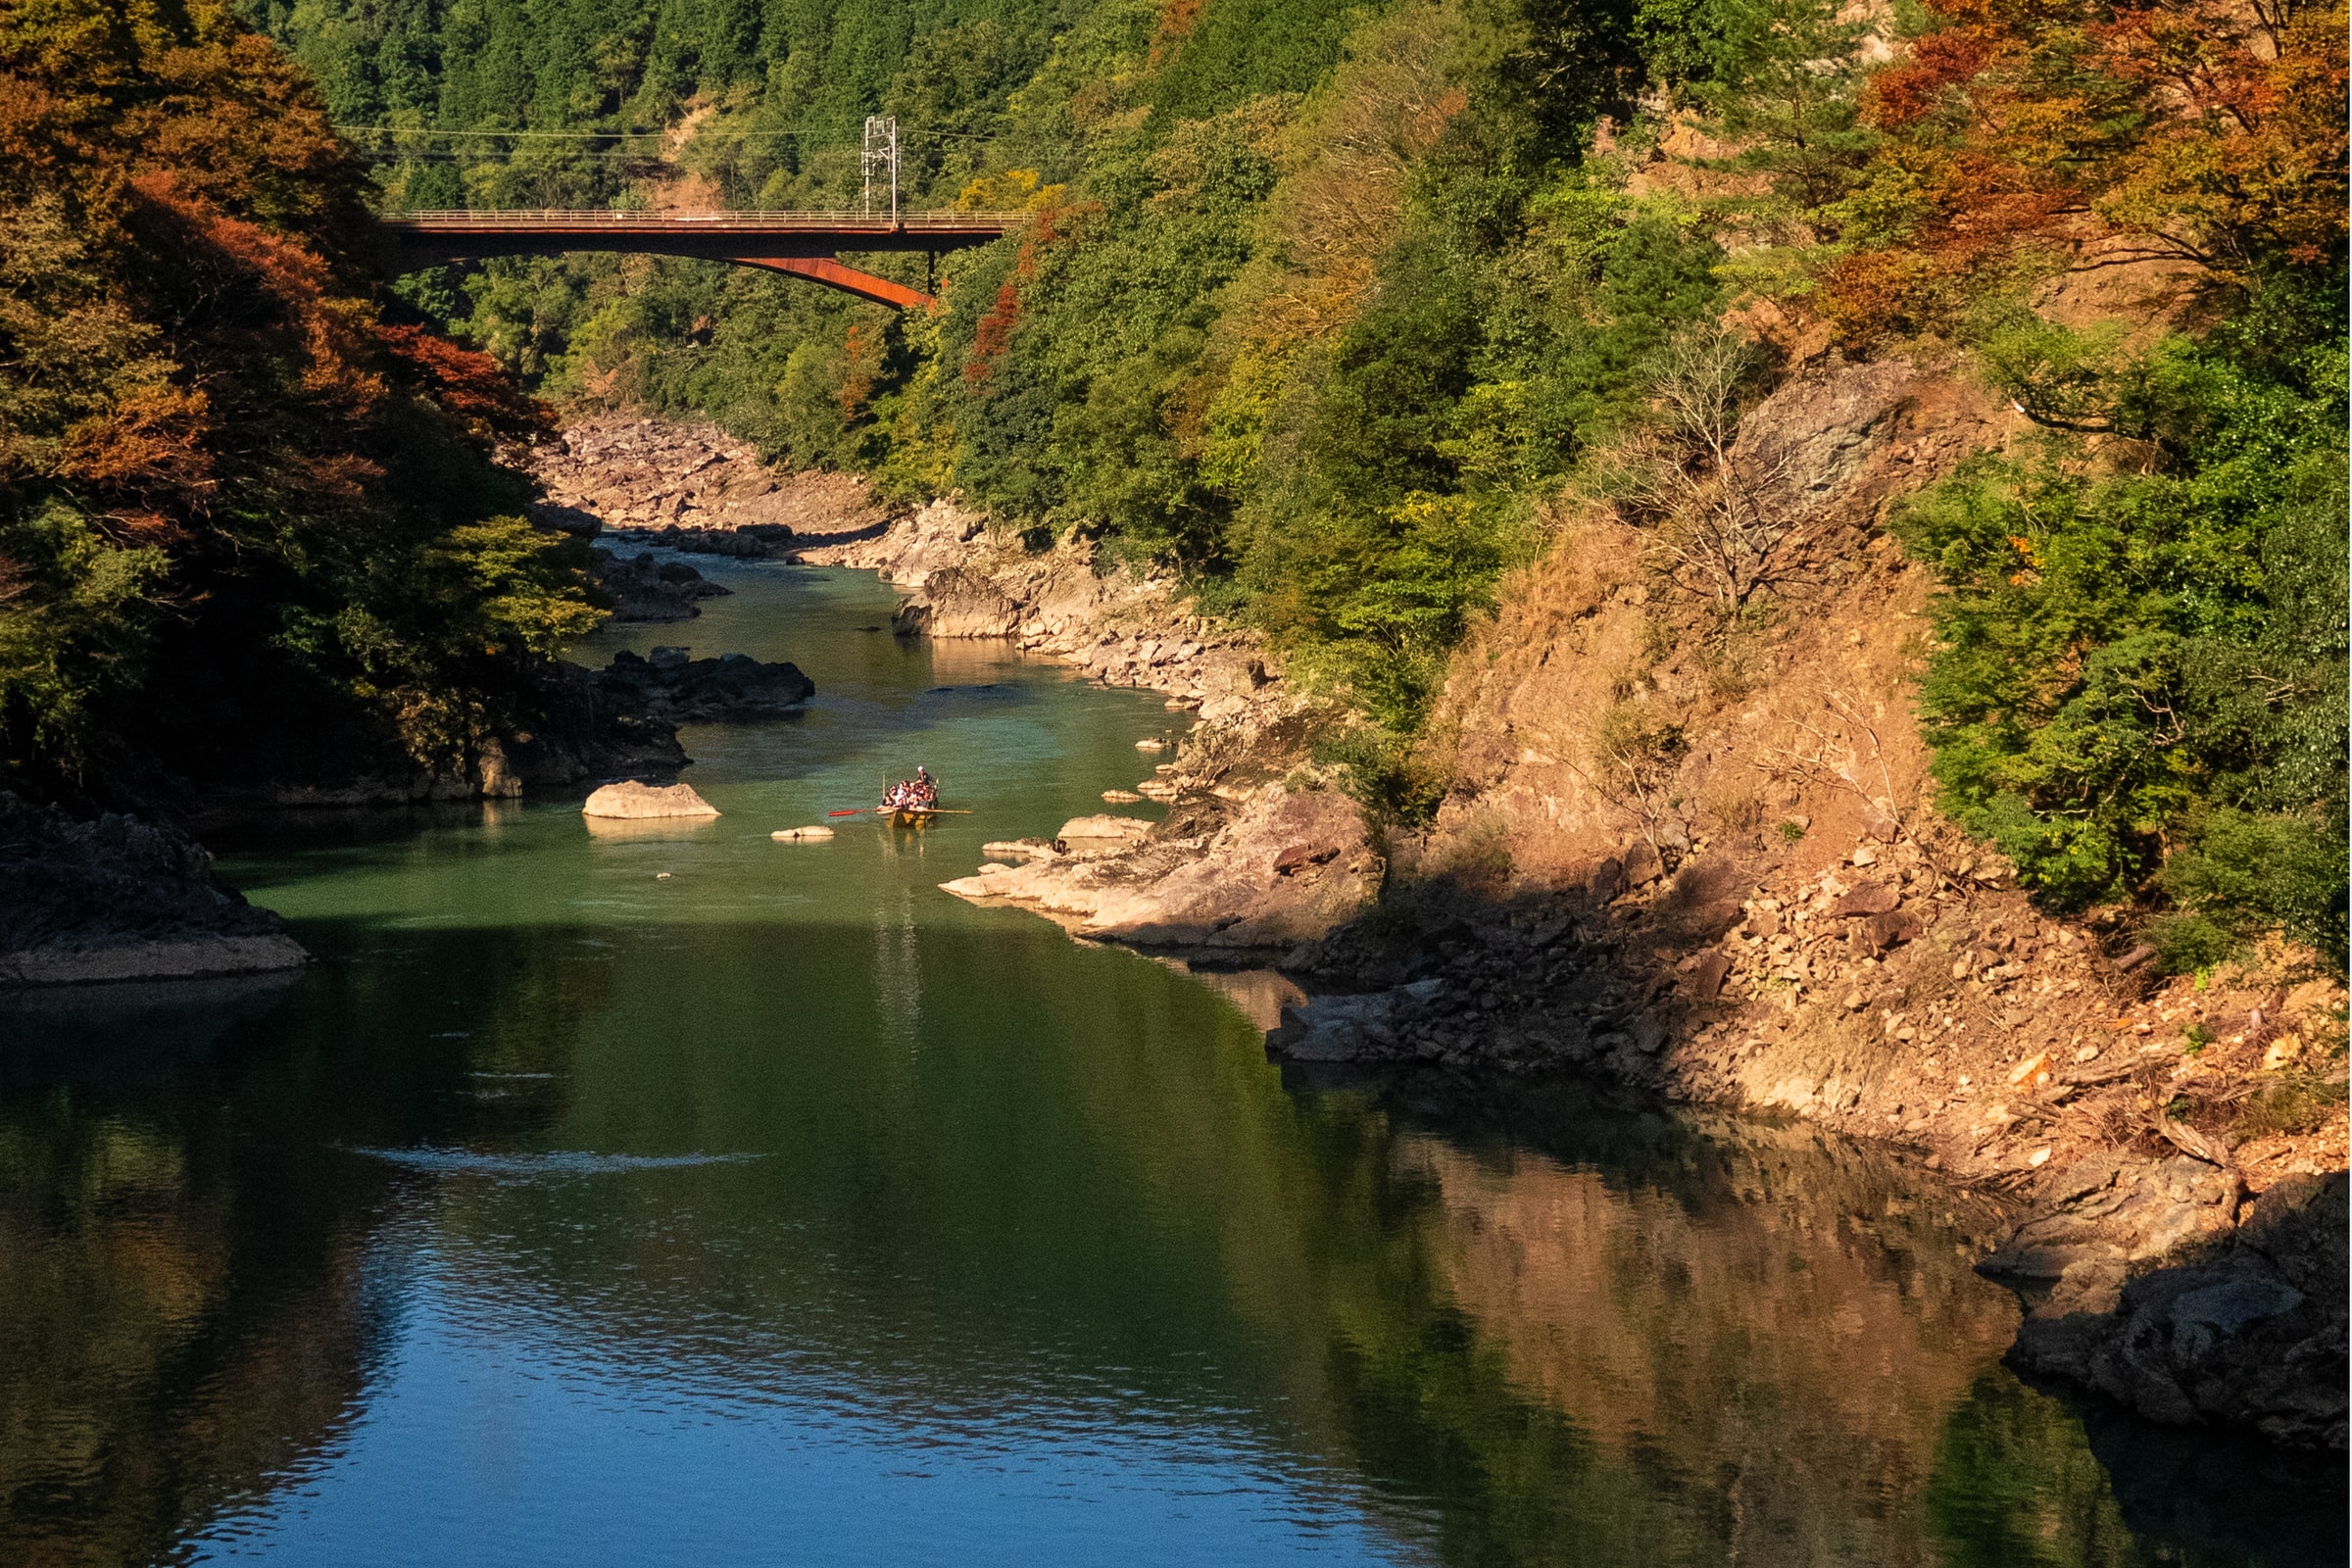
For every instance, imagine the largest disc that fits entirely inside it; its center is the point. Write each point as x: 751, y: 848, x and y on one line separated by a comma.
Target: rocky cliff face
x: 1708, y: 862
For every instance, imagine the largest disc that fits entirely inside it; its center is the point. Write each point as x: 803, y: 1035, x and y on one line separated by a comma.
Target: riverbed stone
x: 1018, y: 848
x: 1104, y: 828
x: 634, y: 801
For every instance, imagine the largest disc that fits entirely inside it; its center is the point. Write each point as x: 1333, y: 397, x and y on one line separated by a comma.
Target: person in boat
x: 917, y: 794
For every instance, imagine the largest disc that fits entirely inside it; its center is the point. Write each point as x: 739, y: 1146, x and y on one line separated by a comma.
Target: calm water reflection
x: 786, y: 1209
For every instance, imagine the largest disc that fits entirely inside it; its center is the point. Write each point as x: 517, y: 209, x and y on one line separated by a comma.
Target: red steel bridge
x: 804, y: 244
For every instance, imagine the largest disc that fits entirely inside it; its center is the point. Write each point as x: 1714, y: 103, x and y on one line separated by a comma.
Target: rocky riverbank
x: 1257, y: 852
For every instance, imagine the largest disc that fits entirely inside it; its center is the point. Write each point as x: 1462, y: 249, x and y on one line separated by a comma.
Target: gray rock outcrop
x: 2111, y: 1212
x: 673, y: 687
x: 645, y: 590
x: 956, y: 602
x: 118, y: 898
x: 1278, y: 868
x: 2248, y: 1330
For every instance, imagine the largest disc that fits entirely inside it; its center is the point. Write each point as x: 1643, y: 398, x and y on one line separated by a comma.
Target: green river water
x: 786, y: 1209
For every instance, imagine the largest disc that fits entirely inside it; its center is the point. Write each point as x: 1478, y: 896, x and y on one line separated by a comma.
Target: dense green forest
x: 1326, y: 306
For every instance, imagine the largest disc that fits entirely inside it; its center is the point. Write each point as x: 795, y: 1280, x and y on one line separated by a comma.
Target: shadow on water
x: 186, y: 1307
x: 2029, y: 1478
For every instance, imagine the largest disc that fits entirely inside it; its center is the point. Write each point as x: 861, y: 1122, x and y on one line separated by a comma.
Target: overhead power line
x: 625, y: 135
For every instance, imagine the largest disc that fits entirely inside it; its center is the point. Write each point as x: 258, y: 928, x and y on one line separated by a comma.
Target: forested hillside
x: 249, y: 524
x: 1337, y: 310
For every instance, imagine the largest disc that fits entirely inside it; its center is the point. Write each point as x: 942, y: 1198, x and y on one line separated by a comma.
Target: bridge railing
x: 609, y: 218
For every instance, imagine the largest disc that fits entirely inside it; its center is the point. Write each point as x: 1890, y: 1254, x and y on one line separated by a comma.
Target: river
x: 677, y: 1195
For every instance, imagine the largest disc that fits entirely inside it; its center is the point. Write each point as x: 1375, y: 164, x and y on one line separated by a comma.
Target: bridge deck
x: 804, y: 244
x: 610, y: 225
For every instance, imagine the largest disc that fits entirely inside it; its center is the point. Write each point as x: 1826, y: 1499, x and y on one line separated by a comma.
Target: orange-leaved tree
x: 2207, y: 134
x: 224, y: 478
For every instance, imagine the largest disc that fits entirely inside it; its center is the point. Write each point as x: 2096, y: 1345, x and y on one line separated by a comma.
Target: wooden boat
x: 916, y: 815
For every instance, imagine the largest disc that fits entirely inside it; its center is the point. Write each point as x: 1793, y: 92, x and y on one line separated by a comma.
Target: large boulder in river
x: 956, y: 602
x: 116, y: 897
x: 635, y: 801
x: 1284, y: 868
x: 677, y: 688
x: 643, y: 589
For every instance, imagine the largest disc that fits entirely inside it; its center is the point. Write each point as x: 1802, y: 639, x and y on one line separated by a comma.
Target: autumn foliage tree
x: 2206, y: 133
x: 246, y: 526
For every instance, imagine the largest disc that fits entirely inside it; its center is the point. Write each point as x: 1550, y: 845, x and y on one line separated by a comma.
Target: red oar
x: 854, y: 810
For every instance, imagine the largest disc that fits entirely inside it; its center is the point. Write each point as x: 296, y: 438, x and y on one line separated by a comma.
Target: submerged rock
x: 801, y: 835
x: 632, y: 801
x: 120, y: 899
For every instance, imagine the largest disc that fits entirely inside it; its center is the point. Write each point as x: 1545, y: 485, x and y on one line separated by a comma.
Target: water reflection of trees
x: 1752, y: 1338
x: 1533, y: 1326
x: 189, y: 1303
x: 1545, y: 1329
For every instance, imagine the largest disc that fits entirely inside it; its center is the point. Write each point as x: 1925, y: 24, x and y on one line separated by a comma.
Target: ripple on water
x: 556, y: 1163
